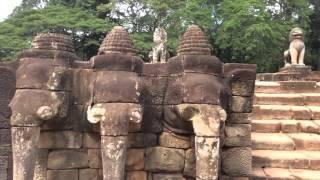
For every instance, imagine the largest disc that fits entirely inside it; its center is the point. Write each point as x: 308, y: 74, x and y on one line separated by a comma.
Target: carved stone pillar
x: 41, y: 95
x: 115, y: 99
x: 204, y: 95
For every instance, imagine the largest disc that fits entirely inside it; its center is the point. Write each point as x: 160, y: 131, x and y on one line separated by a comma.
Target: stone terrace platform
x: 286, y: 125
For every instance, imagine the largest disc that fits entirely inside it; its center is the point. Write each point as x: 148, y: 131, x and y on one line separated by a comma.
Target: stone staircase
x: 286, y: 130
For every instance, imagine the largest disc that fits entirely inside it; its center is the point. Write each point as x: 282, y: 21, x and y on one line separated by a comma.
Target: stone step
x: 284, y: 174
x: 273, y: 87
x: 288, y: 141
x: 286, y: 159
x: 286, y: 126
x: 284, y: 112
x: 271, y: 141
x: 297, y: 99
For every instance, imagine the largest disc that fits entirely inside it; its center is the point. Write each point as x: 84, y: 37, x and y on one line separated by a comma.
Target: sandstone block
x: 168, y: 177
x: 31, y: 115
x: 82, y: 86
x: 140, y: 140
x: 68, y: 159
x: 115, y: 117
x: 240, y: 71
x: 113, y: 152
x: 202, y: 64
x: 116, y: 86
x: 117, y: 62
x: 189, y: 169
x: 40, y: 170
x: 173, y: 121
x: 238, y: 135
x: 151, y: 120
x: 136, y: 175
x: 174, y: 91
x: 240, y: 118
x: 155, y: 70
x: 135, y: 159
x: 91, y: 140
x: 202, y: 89
x: 237, y: 161
x: 171, y: 140
x: 242, y: 88
x: 5, y: 137
x: 62, y: 174
x: 207, y: 157
x: 153, y: 90
x: 164, y: 159
x: 205, y: 118
x: 89, y: 174
x: 240, y: 104
x: 95, y: 160
x: 33, y: 74
x: 60, y: 140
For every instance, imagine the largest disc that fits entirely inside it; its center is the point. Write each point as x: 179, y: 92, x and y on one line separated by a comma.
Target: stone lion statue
x: 159, y: 51
x: 295, y: 54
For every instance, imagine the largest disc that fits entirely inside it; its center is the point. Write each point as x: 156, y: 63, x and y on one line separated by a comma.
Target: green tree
x: 87, y: 30
x: 256, y: 31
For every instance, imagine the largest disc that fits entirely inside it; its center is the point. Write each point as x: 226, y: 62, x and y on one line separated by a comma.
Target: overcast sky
x: 6, y: 7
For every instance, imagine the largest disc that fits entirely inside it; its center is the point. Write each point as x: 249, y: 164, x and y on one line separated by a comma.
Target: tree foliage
x: 245, y: 31
x: 17, y: 32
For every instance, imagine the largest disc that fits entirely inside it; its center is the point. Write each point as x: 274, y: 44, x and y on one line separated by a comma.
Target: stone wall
x: 236, y: 152
x: 195, y: 113
x: 7, y: 88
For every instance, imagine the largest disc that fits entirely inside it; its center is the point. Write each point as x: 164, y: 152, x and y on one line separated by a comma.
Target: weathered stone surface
x: 60, y: 79
x: 174, y: 90
x: 172, y: 140
x: 202, y: 64
x: 82, y: 85
x: 60, y: 140
x: 239, y: 118
x: 205, y: 118
x: 62, y: 174
x: 238, y: 135
x: 116, y: 86
x: 155, y: 70
x: 114, y: 117
x: 237, y: 161
x: 24, y: 150
x: 91, y: 140
x: 151, y: 120
x: 40, y: 171
x: 202, y: 89
x: 189, y: 169
x: 140, y: 140
x: 242, y: 88
x: 194, y: 42
x: 135, y: 159
x: 136, y: 175
x: 168, y: 177
x: 164, y: 159
x: 153, y: 90
x: 7, y: 84
x: 207, y: 157
x: 114, y: 150
x: 5, y: 151
x: 117, y: 62
x: 56, y: 103
x: 174, y: 122
x: 117, y: 42
x: 68, y: 159
x: 240, y: 71
x: 240, y: 104
x: 95, y: 159
x: 5, y: 137
x: 89, y: 174
x: 34, y: 73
